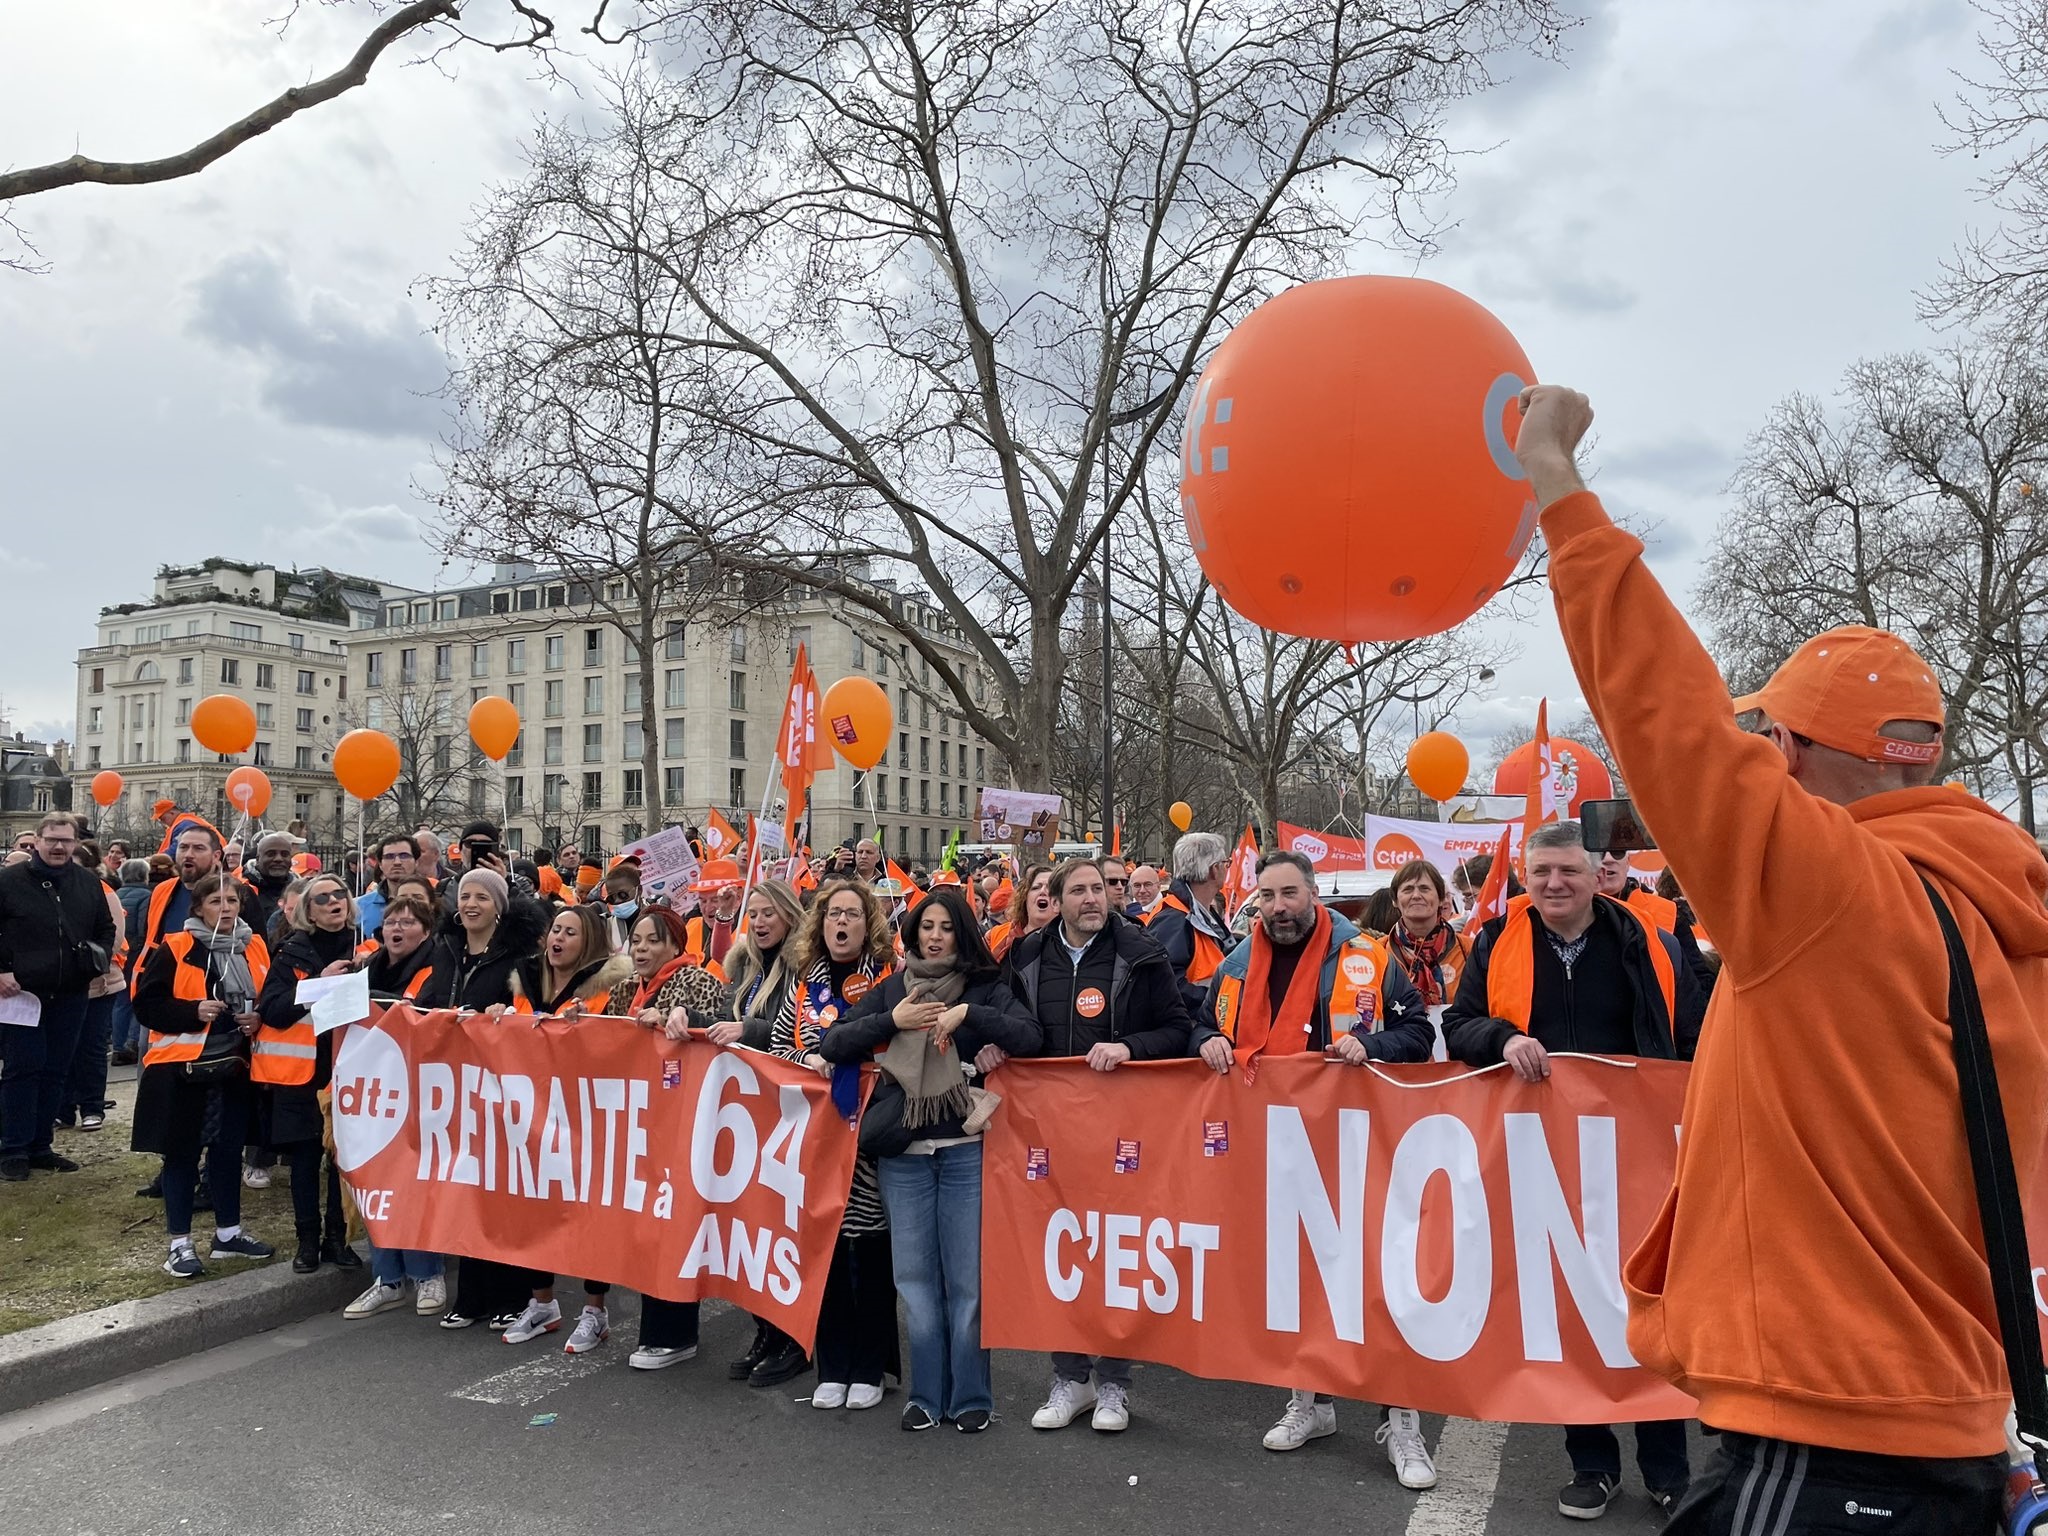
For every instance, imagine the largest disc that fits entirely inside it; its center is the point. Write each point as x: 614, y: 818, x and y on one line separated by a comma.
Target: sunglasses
x: 326, y: 899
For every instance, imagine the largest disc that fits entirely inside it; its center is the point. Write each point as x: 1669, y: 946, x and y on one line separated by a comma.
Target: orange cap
x: 715, y: 874
x: 1842, y: 687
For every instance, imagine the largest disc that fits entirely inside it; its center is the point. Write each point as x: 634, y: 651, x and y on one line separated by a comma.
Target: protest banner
x: 1391, y: 841
x: 1431, y: 1237
x: 667, y: 863
x: 1019, y: 818
x: 598, y: 1149
x: 1327, y: 851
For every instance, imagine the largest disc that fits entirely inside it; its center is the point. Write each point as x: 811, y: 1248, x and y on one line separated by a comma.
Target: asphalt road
x: 391, y: 1425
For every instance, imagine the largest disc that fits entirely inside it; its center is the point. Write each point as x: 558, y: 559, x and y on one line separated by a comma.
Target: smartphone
x: 1612, y: 826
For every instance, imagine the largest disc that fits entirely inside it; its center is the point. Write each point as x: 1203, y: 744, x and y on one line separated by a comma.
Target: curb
x: 74, y: 1353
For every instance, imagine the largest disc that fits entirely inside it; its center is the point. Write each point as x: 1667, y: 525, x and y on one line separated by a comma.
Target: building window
x: 557, y: 596
x: 673, y: 683
x: 860, y: 652
x: 296, y: 642
x: 924, y: 797
x: 262, y: 757
x: 882, y: 670
x: 672, y: 737
x: 799, y: 635
x: 184, y: 711
x: 945, y: 756
x: 444, y: 753
x: 860, y: 797
x: 408, y: 667
x: 632, y: 789
x: 924, y: 754
x: 593, y: 743
x: 739, y: 738
x: 302, y: 757
x: 593, y: 647
x: 184, y: 670
x: 445, y: 608
x: 529, y: 599
x: 98, y: 683
x: 373, y: 669
x: 924, y: 843
x: 551, y: 698
x: 593, y: 790
x: 231, y: 672
x: 739, y: 648
x: 373, y: 713
x: 95, y: 718
x: 739, y: 787
x: 515, y: 839
x: 924, y: 714
x: 422, y: 611
x: 633, y: 697
x: 263, y: 717
x: 739, y: 690
x: 672, y: 642
x: 515, y: 797
x: 551, y: 745
x: 881, y: 791
x: 980, y: 772
x: 903, y: 749
x: 305, y: 682
x: 631, y: 831
x: 593, y: 695
x: 304, y: 721
x: 633, y: 746
x: 479, y: 661
x: 903, y: 796
x: 517, y: 756
x: 266, y: 676
x: 903, y: 842
x: 672, y: 785
x: 554, y: 648
x: 245, y: 632
x: 551, y: 789
x: 945, y: 799
x: 515, y: 657
x: 444, y: 663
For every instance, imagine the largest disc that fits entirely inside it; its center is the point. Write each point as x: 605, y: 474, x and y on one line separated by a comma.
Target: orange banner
x: 599, y: 1150
x: 1429, y: 1238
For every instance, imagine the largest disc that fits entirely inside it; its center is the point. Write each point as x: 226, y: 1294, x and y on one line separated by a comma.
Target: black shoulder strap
x: 1998, y: 1189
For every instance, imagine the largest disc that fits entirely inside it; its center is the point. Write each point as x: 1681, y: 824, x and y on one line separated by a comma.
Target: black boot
x: 336, y: 1251
x: 786, y: 1364
x: 742, y: 1368
x: 307, y: 1259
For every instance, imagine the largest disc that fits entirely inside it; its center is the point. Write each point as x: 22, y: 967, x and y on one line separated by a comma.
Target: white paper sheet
x: 22, y: 1008
x: 336, y: 1000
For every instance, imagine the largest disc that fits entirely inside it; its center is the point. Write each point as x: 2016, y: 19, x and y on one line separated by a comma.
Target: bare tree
x: 442, y: 778
x: 935, y: 252
x: 1912, y: 507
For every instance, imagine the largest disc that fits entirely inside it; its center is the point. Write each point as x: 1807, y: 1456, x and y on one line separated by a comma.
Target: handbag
x: 2004, y: 1222
x: 225, y: 1056
x: 882, y: 1133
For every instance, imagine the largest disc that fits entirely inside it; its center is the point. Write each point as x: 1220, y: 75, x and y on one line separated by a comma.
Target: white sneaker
x: 657, y: 1357
x: 592, y: 1329
x: 1402, y: 1436
x: 1063, y: 1404
x: 539, y: 1317
x: 378, y: 1298
x: 256, y: 1178
x: 863, y: 1394
x: 431, y: 1297
x: 1112, y: 1409
x: 1305, y: 1420
x: 829, y: 1394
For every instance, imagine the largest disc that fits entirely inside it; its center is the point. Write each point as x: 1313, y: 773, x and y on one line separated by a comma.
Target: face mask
x: 625, y: 908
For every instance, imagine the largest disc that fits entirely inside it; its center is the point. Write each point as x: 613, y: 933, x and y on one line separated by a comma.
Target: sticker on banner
x: 1089, y: 1003
x: 1036, y: 1164
x: 672, y: 1072
x: 1126, y: 1155
x: 1215, y: 1137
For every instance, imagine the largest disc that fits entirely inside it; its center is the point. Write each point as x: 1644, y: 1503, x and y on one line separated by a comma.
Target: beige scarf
x: 933, y: 1082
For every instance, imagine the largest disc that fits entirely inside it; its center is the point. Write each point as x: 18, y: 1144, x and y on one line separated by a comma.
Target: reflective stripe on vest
x: 188, y: 985
x: 1511, y: 968
x: 284, y: 1057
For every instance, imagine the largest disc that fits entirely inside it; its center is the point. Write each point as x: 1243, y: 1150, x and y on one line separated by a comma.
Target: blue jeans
x: 35, y: 1073
x: 129, y: 1035
x: 86, y: 1092
x: 392, y: 1265
x: 934, y: 1205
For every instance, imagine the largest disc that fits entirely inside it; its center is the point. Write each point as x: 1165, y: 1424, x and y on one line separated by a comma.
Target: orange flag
x: 1492, y: 900
x: 1542, y: 807
x: 1243, y: 878
x: 720, y: 837
x: 800, y: 749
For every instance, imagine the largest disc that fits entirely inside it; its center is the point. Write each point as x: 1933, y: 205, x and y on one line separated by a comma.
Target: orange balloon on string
x: 366, y: 763
x: 494, y: 727
x: 106, y: 787
x: 249, y: 790
x: 223, y: 723
x: 1437, y: 764
x: 858, y: 719
x: 1348, y: 467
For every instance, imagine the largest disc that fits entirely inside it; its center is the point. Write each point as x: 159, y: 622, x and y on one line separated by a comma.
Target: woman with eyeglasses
x: 294, y: 1063
x: 842, y: 952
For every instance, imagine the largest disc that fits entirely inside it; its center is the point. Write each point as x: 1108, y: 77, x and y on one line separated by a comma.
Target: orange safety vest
x: 1208, y: 953
x: 696, y: 930
x: 1661, y: 913
x: 188, y: 985
x: 1357, y: 992
x: 160, y: 903
x: 1511, y: 970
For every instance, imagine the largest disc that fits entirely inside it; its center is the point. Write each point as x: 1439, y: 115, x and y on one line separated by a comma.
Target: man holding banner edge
x: 1816, y: 1277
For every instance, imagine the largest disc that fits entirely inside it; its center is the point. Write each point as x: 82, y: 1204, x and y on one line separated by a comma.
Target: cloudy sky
x: 1707, y: 208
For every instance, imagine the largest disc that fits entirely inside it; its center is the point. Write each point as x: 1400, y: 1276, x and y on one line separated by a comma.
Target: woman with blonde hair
x: 842, y: 952
x: 755, y: 966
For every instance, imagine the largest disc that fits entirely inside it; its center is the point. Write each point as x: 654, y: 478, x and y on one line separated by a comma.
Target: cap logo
x: 1911, y: 751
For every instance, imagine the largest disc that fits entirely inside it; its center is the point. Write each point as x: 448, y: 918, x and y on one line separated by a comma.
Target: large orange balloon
x: 1437, y: 764
x: 1348, y: 470
x: 859, y: 719
x: 366, y: 763
x: 1589, y: 777
x: 249, y: 790
x: 106, y: 787
x: 223, y: 723
x: 494, y: 727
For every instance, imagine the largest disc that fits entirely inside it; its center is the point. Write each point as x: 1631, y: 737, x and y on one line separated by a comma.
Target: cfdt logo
x: 1311, y: 847
x: 371, y: 1097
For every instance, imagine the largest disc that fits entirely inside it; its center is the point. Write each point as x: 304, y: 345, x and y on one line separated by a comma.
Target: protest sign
x: 667, y: 863
x: 1019, y: 818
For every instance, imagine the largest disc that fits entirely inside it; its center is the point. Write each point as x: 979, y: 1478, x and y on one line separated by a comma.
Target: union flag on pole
x: 800, y: 751
x: 1492, y: 900
x: 1243, y: 877
x: 721, y: 838
x: 1544, y: 804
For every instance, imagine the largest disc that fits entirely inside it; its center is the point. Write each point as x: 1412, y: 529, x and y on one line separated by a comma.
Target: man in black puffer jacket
x: 56, y: 937
x: 1099, y: 987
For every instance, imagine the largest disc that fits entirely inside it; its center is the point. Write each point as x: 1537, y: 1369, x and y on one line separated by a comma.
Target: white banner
x: 1391, y: 841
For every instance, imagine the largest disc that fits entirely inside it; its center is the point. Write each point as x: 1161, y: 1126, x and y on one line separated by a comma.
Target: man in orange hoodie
x: 1816, y: 1277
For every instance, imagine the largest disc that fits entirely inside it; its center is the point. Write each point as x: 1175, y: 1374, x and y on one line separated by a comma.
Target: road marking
x: 527, y: 1383
x: 1467, y: 1473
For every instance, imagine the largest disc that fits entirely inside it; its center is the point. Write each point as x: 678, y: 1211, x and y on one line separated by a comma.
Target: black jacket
x: 389, y: 978
x: 1174, y: 931
x: 995, y: 1016
x: 459, y: 982
x: 1472, y: 1035
x: 1144, y: 1009
x: 267, y: 908
x: 47, y: 918
x: 297, y: 956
